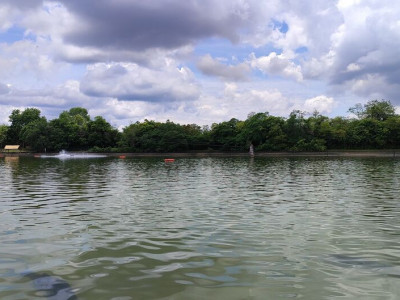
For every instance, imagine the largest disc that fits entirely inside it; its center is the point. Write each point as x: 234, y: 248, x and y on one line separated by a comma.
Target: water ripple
x: 202, y: 228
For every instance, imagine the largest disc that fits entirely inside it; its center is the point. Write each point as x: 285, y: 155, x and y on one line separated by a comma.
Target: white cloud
x: 30, y: 64
x: 213, y: 67
x: 353, y: 67
x: 4, y: 88
x: 275, y: 64
x: 343, y: 4
x: 296, y: 36
x: 62, y: 96
x: 98, y: 54
x: 372, y: 86
x: 237, y: 102
x: 128, y: 81
x: 319, y: 68
x: 322, y: 104
x: 233, y: 101
x: 369, y: 39
x: 5, y: 20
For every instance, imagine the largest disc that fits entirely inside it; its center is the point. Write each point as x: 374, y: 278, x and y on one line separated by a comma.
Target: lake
x: 199, y: 228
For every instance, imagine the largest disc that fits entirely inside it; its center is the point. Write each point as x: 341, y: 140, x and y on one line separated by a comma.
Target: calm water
x: 212, y: 228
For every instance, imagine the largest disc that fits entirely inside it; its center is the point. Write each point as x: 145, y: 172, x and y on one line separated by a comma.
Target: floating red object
x: 122, y: 156
x: 167, y: 160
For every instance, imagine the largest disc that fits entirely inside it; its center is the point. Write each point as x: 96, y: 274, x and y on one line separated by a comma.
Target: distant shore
x: 333, y: 153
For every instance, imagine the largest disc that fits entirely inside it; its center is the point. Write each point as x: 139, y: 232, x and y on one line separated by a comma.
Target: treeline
x: 375, y: 126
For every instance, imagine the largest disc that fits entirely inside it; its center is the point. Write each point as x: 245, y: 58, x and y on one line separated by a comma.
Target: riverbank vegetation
x: 375, y: 126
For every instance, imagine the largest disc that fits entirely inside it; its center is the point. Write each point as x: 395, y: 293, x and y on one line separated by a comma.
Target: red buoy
x: 168, y: 160
x: 122, y: 156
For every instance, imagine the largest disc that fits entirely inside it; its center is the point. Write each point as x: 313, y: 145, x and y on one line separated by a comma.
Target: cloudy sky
x: 197, y: 61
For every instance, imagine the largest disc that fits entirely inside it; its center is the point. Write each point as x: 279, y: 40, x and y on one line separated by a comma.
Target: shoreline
x: 394, y: 153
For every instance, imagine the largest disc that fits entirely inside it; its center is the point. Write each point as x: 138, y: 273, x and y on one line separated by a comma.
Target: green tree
x: 151, y: 136
x: 392, y: 125
x: 35, y: 134
x: 140, y: 137
x: 3, y: 135
x: 225, y: 136
x: 296, y: 130
x: 358, y: 110
x: 101, y: 134
x: 172, y: 137
x: 337, y: 137
x: 374, y: 109
x: 18, y: 120
x: 197, y: 137
x: 367, y: 133
x: 379, y: 110
x: 254, y: 129
x: 70, y: 130
x: 265, y: 132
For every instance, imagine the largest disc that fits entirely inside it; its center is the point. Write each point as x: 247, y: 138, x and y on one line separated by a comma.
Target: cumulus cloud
x: 4, y: 89
x: 121, y: 113
x: 166, y: 25
x: 61, y: 96
x: 275, y: 64
x: 369, y: 39
x: 213, y: 67
x: 10, y: 11
x: 234, y: 101
x: 31, y: 63
x: 108, y: 53
x: 22, y: 4
x: 92, y: 30
x: 372, y: 86
x: 51, y: 100
x: 311, y: 23
x: 319, y: 67
x: 5, y: 111
x: 238, y: 102
x: 5, y: 22
x: 322, y: 104
x: 363, y: 55
x: 128, y: 81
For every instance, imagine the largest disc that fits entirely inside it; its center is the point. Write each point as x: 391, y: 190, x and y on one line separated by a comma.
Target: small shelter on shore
x: 9, y: 148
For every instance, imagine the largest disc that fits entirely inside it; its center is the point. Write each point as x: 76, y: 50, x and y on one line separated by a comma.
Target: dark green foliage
x: 296, y: 131
x: 225, y: 136
x: 367, y: 134
x: 74, y: 124
x: 3, y: 135
x: 374, y: 109
x: 151, y: 136
x: 72, y: 130
x: 33, y: 134
x: 18, y: 120
x: 265, y: 132
x: 101, y: 134
x: 376, y: 127
x: 392, y: 125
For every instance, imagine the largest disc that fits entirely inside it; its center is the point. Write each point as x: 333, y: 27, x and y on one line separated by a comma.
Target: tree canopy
x: 374, y: 109
x: 375, y: 126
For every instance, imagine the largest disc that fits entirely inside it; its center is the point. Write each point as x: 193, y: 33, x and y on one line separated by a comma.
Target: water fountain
x: 68, y: 155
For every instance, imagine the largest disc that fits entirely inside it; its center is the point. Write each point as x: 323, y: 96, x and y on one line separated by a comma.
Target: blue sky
x: 199, y: 61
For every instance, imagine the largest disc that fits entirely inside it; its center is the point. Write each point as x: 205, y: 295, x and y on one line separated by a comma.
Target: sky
x: 197, y: 61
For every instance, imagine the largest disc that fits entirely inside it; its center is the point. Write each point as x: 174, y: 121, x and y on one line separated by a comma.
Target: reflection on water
x: 11, y: 160
x: 212, y: 228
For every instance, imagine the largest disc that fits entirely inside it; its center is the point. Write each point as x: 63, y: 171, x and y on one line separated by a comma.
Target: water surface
x: 209, y: 228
